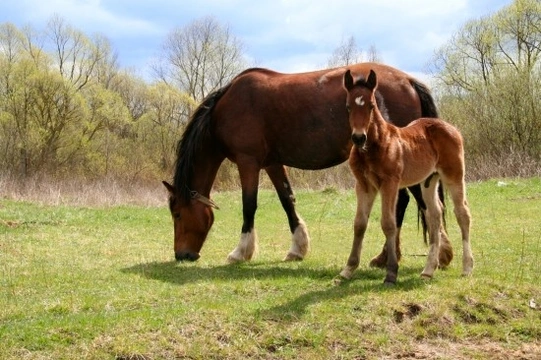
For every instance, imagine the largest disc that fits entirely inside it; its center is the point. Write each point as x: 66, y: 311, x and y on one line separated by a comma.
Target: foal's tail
x: 428, y: 109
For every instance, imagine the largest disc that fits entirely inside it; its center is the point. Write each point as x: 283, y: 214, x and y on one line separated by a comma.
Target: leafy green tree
x: 489, y: 83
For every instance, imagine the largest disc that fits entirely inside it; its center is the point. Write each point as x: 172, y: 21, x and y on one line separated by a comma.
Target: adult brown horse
x: 267, y: 120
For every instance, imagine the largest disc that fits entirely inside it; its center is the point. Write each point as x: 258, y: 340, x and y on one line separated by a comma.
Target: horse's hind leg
x: 433, y: 216
x: 463, y: 217
x: 300, y: 238
x: 249, y: 177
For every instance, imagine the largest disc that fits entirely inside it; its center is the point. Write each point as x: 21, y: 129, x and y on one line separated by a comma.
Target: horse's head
x: 360, y: 103
x: 192, y: 220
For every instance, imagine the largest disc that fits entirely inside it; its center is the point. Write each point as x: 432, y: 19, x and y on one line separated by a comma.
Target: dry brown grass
x: 104, y: 192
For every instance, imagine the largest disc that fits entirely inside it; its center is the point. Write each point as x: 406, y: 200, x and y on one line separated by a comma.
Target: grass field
x: 100, y: 283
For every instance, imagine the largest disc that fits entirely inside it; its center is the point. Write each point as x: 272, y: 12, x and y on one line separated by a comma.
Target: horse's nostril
x: 358, y: 139
x: 186, y: 255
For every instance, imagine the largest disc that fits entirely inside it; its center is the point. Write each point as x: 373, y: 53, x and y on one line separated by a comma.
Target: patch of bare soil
x: 469, y: 350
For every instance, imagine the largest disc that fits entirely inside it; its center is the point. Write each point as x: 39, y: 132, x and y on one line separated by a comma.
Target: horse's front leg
x: 389, y: 196
x: 365, y: 200
x: 249, y: 178
x: 300, y: 237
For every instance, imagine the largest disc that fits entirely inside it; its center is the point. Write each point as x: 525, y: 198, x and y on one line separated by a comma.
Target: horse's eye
x: 176, y: 215
x: 348, y: 108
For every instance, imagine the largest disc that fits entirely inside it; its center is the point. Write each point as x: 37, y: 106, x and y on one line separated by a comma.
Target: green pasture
x: 102, y: 283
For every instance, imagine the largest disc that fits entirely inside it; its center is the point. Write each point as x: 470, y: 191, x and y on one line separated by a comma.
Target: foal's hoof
x: 387, y: 283
x: 293, y: 257
x: 339, y: 280
x: 426, y: 276
x: 346, y: 274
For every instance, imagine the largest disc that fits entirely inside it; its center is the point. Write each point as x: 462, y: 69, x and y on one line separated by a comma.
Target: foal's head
x: 360, y: 103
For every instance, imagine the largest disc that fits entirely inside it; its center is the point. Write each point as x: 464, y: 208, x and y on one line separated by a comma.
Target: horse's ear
x: 372, y: 81
x: 169, y: 187
x: 348, y: 80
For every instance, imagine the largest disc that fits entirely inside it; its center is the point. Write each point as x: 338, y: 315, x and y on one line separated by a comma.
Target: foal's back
x: 430, y: 145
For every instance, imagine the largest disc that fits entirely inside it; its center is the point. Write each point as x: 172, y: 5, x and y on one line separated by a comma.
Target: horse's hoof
x: 339, y: 280
x: 387, y: 283
x: 231, y: 259
x: 293, y: 257
x: 378, y: 262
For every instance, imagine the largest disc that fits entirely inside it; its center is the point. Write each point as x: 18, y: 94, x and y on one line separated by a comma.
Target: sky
x: 284, y: 35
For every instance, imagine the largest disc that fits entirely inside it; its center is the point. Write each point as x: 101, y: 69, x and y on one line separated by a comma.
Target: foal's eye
x: 348, y: 108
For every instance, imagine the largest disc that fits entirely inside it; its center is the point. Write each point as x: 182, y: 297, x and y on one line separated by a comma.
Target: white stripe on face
x: 359, y: 101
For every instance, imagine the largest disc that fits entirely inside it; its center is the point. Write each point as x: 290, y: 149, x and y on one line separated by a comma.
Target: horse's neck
x: 205, y: 170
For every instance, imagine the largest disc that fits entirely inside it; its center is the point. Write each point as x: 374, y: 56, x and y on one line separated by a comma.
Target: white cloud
x: 287, y: 35
x: 88, y: 15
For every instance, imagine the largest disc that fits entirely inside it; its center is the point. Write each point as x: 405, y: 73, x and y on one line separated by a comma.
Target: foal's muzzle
x: 358, y: 139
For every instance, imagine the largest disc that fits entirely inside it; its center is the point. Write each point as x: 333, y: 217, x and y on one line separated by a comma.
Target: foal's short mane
x: 197, y: 130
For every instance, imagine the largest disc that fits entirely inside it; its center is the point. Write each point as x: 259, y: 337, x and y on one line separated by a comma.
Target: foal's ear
x: 348, y: 80
x: 169, y: 187
x: 372, y: 81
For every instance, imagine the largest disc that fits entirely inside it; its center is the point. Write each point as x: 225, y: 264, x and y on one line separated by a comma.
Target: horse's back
x: 297, y: 120
x: 300, y: 120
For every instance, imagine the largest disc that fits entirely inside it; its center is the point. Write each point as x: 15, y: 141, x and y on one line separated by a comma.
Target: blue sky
x: 285, y: 35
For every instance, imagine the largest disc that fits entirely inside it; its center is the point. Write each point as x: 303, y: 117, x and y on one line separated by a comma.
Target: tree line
x: 67, y: 109
x: 489, y: 84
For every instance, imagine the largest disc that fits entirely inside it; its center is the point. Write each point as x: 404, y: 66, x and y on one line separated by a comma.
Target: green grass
x: 101, y: 283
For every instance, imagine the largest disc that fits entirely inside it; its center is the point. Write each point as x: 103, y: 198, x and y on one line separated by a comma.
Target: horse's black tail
x: 428, y: 109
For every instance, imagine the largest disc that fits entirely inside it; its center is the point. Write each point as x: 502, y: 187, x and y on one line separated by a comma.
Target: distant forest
x: 67, y: 109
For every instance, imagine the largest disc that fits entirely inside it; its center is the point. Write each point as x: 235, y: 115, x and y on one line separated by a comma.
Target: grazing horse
x: 267, y: 120
x: 386, y: 158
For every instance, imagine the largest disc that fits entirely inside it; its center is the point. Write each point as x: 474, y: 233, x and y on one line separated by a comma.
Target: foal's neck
x: 378, y: 126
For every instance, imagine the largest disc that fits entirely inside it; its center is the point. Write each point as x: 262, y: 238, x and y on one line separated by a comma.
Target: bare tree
x: 349, y: 53
x: 77, y: 57
x: 346, y: 53
x: 200, y: 57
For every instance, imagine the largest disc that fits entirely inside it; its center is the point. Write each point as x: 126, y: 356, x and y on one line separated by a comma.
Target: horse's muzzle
x: 186, y: 255
x: 358, y: 139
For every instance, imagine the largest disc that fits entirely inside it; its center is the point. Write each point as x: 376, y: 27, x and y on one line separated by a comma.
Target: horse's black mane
x: 197, y: 130
x: 379, y: 98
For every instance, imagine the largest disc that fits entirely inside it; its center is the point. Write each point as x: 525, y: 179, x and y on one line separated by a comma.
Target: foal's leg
x: 389, y: 196
x: 249, y: 177
x: 300, y: 238
x: 433, y: 216
x: 380, y: 260
x: 365, y: 200
x: 446, y: 250
x: 463, y: 217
